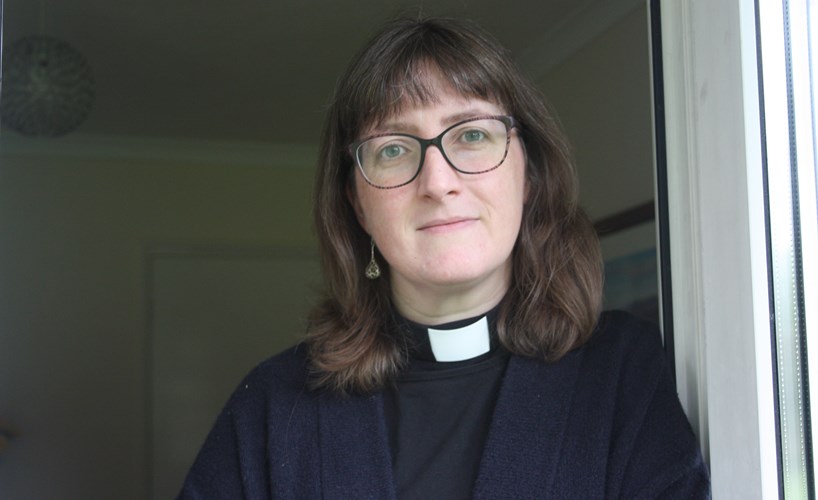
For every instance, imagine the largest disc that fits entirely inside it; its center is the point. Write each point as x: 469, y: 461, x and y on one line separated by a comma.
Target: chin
x: 460, y: 274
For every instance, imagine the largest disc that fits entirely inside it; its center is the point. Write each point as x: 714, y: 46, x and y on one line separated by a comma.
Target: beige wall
x: 74, y: 235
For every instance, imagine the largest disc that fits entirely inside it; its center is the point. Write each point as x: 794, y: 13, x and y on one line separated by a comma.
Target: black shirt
x: 438, y: 414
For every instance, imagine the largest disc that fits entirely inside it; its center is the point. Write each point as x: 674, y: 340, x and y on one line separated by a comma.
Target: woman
x: 459, y: 351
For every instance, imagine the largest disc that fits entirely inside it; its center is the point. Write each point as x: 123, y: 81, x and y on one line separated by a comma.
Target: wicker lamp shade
x: 48, y: 87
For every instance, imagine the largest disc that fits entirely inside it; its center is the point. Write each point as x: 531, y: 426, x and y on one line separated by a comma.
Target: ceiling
x: 262, y: 70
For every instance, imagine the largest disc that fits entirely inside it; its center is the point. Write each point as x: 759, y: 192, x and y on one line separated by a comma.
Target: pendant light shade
x: 48, y: 87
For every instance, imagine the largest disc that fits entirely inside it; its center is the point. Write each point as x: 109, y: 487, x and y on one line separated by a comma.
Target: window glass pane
x: 790, y: 163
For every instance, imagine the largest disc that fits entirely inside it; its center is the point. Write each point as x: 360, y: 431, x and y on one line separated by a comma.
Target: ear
x: 356, y: 205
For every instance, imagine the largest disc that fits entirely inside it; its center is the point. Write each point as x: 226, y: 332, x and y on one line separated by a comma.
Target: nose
x: 437, y: 178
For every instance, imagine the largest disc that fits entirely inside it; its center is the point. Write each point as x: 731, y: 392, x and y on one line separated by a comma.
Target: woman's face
x: 447, y: 236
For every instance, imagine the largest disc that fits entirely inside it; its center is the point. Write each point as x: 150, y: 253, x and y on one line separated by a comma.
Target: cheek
x: 364, y: 201
x: 374, y: 210
x: 519, y: 187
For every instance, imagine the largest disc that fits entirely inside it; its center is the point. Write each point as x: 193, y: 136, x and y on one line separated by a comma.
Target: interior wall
x: 602, y: 96
x: 72, y: 281
x: 72, y: 291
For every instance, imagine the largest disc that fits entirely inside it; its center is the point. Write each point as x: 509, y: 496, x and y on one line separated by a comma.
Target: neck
x: 432, y: 305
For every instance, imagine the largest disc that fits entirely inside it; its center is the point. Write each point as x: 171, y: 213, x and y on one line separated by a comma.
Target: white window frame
x: 721, y: 314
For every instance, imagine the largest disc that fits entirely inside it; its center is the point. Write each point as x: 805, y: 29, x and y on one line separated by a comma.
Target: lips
x: 444, y: 224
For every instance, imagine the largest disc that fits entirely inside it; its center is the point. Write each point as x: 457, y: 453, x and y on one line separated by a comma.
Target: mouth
x: 446, y: 224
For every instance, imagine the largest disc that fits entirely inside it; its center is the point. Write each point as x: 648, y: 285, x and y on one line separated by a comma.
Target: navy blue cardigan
x: 603, y: 422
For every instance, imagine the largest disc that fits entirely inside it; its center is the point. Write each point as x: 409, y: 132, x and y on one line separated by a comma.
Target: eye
x: 473, y: 135
x: 391, y: 151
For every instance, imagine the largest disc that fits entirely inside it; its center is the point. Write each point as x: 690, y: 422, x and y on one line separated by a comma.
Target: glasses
x: 473, y: 146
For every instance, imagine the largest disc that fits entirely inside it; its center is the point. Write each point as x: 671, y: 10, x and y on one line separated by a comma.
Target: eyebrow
x: 403, y: 126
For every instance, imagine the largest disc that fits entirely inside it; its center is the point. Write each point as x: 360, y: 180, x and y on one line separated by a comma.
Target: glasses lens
x: 390, y: 160
x: 472, y: 147
x: 477, y: 145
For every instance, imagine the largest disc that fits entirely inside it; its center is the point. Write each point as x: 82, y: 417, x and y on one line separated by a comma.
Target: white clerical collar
x: 459, y: 344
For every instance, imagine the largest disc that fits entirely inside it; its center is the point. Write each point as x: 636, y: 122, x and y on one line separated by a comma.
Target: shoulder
x: 289, y: 365
x: 623, y: 329
x: 620, y: 364
x: 653, y: 450
x: 624, y: 365
x: 281, y: 378
x: 623, y: 339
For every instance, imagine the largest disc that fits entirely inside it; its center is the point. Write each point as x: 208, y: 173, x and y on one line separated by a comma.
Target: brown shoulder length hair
x: 554, y: 298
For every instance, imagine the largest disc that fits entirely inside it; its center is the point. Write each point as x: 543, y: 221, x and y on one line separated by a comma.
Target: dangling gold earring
x: 373, y: 270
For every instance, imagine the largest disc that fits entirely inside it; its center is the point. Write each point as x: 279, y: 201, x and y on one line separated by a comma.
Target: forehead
x: 445, y: 107
x: 421, y: 87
